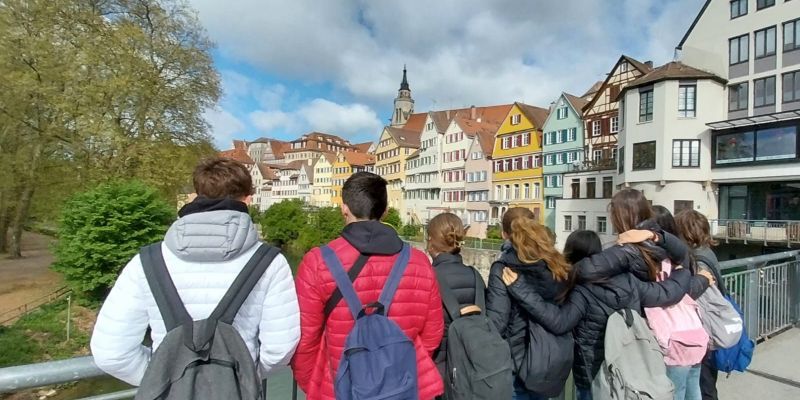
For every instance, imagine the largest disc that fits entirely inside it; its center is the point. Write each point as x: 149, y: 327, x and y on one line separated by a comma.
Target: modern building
x: 585, y: 205
x: 517, y: 161
x: 664, y: 142
x: 323, y: 178
x: 562, y: 148
x: 755, y: 158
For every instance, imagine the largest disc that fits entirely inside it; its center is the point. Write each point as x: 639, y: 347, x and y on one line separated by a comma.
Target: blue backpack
x: 738, y: 357
x: 378, y: 361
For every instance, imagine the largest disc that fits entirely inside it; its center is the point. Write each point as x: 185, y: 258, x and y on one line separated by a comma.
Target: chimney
x: 649, y: 64
x: 472, y: 112
x: 447, y: 113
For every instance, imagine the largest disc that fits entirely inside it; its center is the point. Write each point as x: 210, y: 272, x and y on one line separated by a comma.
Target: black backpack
x: 204, y: 359
x: 478, y: 362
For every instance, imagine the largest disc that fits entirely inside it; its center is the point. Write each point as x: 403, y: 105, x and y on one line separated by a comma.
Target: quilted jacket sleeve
x: 498, y: 304
x: 611, y: 261
x: 665, y: 293
x: 121, y: 325
x: 558, y: 319
x: 279, y: 329
x: 312, y: 319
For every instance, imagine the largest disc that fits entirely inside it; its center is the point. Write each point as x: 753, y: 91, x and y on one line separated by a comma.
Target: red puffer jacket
x: 416, y: 307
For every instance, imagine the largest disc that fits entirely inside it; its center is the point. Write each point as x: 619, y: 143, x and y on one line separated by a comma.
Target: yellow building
x: 323, y: 178
x: 394, y: 146
x: 517, y: 162
x: 348, y: 163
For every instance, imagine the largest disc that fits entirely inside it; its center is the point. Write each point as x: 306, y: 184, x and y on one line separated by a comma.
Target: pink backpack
x: 678, y: 328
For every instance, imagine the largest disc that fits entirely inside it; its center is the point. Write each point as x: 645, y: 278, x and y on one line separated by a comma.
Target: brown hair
x: 694, y: 229
x: 532, y: 242
x: 220, y: 178
x: 445, y: 234
x: 629, y: 208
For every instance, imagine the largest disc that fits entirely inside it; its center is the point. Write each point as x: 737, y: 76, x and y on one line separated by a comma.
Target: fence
x: 767, y: 287
x: 758, y: 231
x: 18, y: 312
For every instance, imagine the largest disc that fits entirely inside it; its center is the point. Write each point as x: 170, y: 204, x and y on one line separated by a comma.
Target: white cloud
x: 224, y: 126
x: 271, y: 120
x: 346, y: 120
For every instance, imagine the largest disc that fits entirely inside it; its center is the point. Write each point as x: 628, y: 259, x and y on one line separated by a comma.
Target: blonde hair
x: 445, y: 234
x: 533, y: 242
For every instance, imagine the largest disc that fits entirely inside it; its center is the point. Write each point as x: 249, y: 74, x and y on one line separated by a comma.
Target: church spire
x: 403, y: 103
x: 404, y: 83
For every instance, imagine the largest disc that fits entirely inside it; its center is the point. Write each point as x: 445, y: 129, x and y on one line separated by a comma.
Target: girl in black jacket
x: 445, y: 234
x: 531, y: 253
x: 605, y: 284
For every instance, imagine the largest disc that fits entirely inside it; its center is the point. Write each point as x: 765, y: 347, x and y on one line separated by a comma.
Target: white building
x: 664, y: 142
x: 584, y: 205
x: 263, y: 177
x: 422, y: 190
x: 305, y: 181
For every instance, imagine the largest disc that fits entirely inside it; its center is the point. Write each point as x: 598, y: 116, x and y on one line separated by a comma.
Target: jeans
x: 584, y: 394
x: 686, y: 381
x: 520, y: 393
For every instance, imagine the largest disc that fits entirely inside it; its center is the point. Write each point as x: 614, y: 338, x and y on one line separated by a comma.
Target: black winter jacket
x: 460, y: 279
x: 606, y: 287
x: 508, y: 317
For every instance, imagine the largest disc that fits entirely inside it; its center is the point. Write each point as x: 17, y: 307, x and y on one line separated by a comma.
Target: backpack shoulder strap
x: 244, y: 283
x: 170, y: 305
x: 395, y: 276
x: 352, y: 274
x: 448, y: 298
x: 480, y: 296
x: 342, y: 280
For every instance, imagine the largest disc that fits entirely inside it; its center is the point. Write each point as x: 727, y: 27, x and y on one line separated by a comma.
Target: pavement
x: 774, y: 372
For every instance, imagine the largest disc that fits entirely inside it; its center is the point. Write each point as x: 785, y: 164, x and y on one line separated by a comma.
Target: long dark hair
x: 628, y: 209
x: 665, y: 220
x: 581, y: 244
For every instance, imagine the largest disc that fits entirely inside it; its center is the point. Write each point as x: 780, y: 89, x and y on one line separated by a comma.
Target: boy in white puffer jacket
x: 204, y: 250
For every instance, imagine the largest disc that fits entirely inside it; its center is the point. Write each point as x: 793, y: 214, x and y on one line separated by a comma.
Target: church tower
x: 403, y: 103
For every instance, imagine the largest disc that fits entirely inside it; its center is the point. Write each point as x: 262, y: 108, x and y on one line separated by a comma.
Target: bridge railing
x: 767, y: 287
x: 758, y: 231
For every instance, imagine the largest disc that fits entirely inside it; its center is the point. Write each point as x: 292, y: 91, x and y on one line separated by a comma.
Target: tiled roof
x: 576, y: 102
x: 415, y: 154
x: 279, y: 147
x: 266, y: 171
x: 416, y: 122
x: 404, y: 137
x: 295, y: 164
x: 642, y: 67
x: 240, y: 145
x: 360, y: 159
x: 670, y: 71
x: 592, y: 90
x: 486, y: 140
x: 363, y: 147
x: 536, y: 115
x: 237, y: 154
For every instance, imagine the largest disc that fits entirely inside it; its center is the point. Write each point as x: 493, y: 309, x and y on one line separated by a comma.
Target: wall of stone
x: 480, y: 259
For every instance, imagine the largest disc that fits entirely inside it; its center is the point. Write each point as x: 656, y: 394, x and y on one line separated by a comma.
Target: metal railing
x: 766, y: 287
x: 759, y: 231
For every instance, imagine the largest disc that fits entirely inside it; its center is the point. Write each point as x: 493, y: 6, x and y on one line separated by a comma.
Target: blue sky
x: 289, y: 67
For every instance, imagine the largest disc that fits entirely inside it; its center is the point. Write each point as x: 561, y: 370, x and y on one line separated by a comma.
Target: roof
x: 441, y: 119
x: 416, y: 122
x: 576, y: 102
x: 266, y: 171
x: 671, y: 71
x: 415, y: 154
x: 329, y: 156
x: 279, y: 147
x: 536, y: 115
x: 363, y: 147
x: 486, y: 140
x: 356, y: 158
x: 592, y: 90
x: 642, y: 67
x: 404, y: 137
x: 694, y: 23
x: 295, y: 164
x: 240, y: 145
x: 237, y: 154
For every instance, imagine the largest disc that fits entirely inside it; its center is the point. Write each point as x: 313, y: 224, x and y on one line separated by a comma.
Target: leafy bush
x: 324, y: 225
x: 283, y: 222
x: 494, y: 232
x: 101, y: 229
x: 392, y: 218
x: 410, y: 230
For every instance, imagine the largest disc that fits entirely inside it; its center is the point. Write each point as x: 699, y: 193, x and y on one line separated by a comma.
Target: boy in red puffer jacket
x: 416, y: 307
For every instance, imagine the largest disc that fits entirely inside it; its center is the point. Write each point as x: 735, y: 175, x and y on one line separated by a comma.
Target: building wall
x: 553, y: 127
x: 454, y: 142
x: 391, y: 168
x: 478, y: 211
x: 341, y: 171
x: 531, y: 175
x: 589, y: 208
x: 423, y: 179
x: 321, y: 190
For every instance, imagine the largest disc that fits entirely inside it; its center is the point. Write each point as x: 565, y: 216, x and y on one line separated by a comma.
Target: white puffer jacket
x: 204, y: 253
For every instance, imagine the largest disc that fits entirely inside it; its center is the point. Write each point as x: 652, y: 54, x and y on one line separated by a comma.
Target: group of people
x: 346, y: 303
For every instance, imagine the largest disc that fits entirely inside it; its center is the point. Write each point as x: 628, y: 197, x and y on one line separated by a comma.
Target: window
x: 570, y: 157
x: 562, y: 113
x: 548, y: 159
x: 537, y: 190
x: 765, y: 42
x: 738, y: 8
x: 559, y: 180
x: 527, y: 191
x: 595, y: 128
x: 515, y: 119
x: 646, y: 105
x: 525, y: 162
x: 644, y: 155
x: 506, y: 142
x: 776, y: 143
x: 560, y: 158
x: 559, y: 137
x: 551, y: 202
x: 791, y: 35
x: 568, y: 223
x: 515, y: 141
x: 547, y: 138
x: 430, y: 126
x: 685, y: 153
x: 737, y: 97
x: 791, y: 86
x: 581, y: 222
x: 591, y: 185
x: 608, y: 187
x: 508, y: 192
x: 576, y: 188
x: 621, y: 160
x: 498, y: 192
x: 739, y: 49
x: 687, y: 100
x: 526, y: 138
x: 516, y: 191
x: 597, y: 155
x: 764, y: 4
x: 680, y: 205
x: 764, y: 92
x: 602, y: 225
x: 572, y: 134
x: 614, y: 124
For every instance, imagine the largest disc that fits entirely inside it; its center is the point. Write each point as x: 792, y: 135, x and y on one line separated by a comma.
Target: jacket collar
x: 447, y: 258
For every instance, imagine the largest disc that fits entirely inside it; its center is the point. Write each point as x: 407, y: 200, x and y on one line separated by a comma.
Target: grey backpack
x: 634, y: 366
x: 204, y: 359
x: 722, y: 322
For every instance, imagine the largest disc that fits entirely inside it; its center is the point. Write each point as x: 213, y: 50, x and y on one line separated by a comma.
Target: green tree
x: 392, y: 218
x: 324, y: 225
x: 494, y: 232
x: 410, y: 230
x: 101, y: 229
x: 283, y: 222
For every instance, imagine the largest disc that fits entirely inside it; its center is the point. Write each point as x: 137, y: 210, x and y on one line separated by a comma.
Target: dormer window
x: 515, y: 119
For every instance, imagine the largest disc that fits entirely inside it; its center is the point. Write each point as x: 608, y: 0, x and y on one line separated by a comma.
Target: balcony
x: 758, y: 231
x: 598, y: 165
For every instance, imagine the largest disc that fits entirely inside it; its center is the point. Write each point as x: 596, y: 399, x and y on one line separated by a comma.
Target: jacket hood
x: 372, y: 238
x: 447, y: 258
x: 211, y: 236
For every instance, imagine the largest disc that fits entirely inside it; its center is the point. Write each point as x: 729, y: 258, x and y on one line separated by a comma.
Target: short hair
x: 694, y: 229
x: 364, y: 193
x: 220, y: 178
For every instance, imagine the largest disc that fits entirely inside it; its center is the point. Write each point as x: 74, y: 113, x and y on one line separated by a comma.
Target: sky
x: 291, y: 67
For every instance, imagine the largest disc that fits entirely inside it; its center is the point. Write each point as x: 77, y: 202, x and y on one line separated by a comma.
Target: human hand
x: 509, y: 276
x: 709, y: 276
x: 635, y: 236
